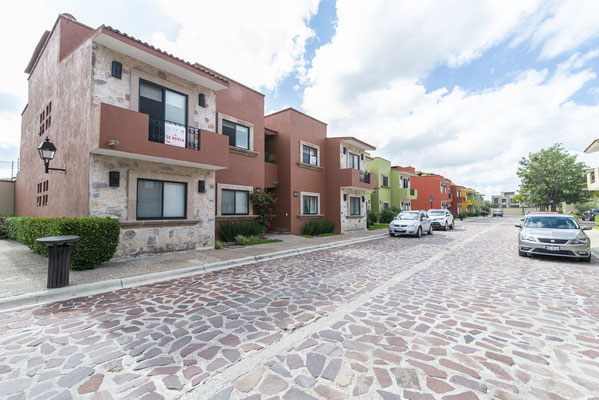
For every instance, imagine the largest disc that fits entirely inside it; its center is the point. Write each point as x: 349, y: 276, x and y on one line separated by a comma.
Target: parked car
x: 442, y: 219
x: 498, y: 213
x: 586, y: 215
x: 554, y: 235
x: 593, y: 212
x: 411, y: 223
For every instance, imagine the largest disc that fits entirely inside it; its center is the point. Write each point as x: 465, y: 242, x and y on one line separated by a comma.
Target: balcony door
x: 167, y: 110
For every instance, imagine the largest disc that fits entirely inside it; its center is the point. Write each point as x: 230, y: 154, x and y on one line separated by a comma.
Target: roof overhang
x: 593, y: 147
x: 162, y: 160
x: 357, y: 143
x: 117, y: 43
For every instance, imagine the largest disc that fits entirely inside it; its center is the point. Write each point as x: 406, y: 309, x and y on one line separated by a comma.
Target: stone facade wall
x: 344, y: 158
x: 117, y: 92
x: 139, y: 237
x: 350, y: 223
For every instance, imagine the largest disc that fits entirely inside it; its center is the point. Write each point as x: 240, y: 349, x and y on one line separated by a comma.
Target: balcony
x: 127, y: 133
x: 407, y: 194
x: 468, y: 202
x: 271, y: 175
x: 354, y: 178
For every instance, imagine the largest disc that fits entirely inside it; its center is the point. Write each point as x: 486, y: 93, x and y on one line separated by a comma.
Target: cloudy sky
x: 463, y: 88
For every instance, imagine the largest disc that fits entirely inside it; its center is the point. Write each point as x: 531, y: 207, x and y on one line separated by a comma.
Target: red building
x: 457, y: 198
x: 429, y: 185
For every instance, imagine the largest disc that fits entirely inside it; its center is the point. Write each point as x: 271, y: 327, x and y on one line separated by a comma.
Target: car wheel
x: 419, y: 232
x: 392, y: 234
x: 452, y: 225
x: 586, y: 259
x: 522, y: 253
x: 430, y: 229
x: 446, y: 227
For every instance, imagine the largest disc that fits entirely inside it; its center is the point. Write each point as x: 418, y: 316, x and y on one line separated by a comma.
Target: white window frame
x: 383, y: 205
x: 225, y: 186
x: 301, y: 197
x: 238, y: 121
x: 301, y: 152
x: 383, y: 181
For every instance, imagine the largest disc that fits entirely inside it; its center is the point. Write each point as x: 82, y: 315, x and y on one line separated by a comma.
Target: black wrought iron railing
x: 412, y: 192
x: 364, y: 176
x: 168, y: 132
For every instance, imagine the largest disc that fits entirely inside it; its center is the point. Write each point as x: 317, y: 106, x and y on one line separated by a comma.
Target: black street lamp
x: 47, y: 151
x: 431, y: 198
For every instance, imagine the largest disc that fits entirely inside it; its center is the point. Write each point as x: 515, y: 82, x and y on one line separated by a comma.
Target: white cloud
x: 367, y: 82
x: 562, y: 26
x: 257, y: 43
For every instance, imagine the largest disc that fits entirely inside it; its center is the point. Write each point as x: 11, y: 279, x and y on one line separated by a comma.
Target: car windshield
x: 436, y: 212
x: 551, y: 222
x: 408, y: 215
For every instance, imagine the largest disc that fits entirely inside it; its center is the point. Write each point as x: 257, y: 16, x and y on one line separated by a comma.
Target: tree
x: 552, y: 176
x: 519, y: 198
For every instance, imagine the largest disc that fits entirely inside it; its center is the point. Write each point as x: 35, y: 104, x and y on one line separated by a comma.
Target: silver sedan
x: 411, y: 223
x: 554, y: 235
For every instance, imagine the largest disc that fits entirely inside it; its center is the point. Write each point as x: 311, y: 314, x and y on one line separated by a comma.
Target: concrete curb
x: 90, y: 289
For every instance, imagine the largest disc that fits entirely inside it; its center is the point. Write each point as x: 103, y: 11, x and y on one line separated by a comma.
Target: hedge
x: 98, y: 237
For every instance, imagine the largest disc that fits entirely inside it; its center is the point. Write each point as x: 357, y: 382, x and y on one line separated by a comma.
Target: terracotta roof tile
x: 194, y: 65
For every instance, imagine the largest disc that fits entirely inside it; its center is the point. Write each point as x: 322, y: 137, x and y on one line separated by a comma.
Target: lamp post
x: 431, y: 198
x: 47, y: 151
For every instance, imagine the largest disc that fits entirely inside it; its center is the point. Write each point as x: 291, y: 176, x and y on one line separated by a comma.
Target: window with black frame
x: 165, y: 107
x: 239, y: 135
x: 161, y: 199
x: 354, y: 161
x: 310, y: 205
x: 309, y: 155
x: 234, y: 202
x: 354, y: 206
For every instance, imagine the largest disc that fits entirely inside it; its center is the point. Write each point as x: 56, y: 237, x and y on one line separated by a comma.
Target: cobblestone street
x: 455, y: 315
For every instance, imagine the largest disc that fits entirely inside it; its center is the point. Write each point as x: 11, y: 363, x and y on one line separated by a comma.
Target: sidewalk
x: 23, y: 272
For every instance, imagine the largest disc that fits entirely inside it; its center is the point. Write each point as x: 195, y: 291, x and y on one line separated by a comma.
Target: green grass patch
x: 377, y: 226
x: 305, y: 236
x: 328, y: 234
x: 263, y: 242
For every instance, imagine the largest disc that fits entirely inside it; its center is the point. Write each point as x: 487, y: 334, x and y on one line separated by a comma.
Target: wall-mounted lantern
x: 47, y: 151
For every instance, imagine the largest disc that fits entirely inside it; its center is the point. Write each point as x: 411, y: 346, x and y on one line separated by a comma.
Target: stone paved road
x: 454, y: 315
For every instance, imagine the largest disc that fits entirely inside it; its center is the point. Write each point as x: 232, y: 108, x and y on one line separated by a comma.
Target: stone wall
x: 344, y: 158
x: 139, y: 237
x: 117, y: 92
x: 350, y: 223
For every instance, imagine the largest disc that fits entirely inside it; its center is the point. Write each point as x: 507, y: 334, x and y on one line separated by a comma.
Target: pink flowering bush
x: 263, y: 202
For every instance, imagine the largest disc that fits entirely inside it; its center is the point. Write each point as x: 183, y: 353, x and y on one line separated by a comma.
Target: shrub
x: 98, y: 237
x: 387, y: 216
x: 243, y: 240
x: 3, y: 233
x: 219, y: 245
x: 372, y: 218
x: 262, y: 202
x: 228, y: 230
x: 597, y: 220
x: 315, y: 228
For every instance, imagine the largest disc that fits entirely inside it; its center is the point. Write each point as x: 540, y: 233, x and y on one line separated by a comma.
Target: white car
x: 442, y: 219
x: 411, y: 223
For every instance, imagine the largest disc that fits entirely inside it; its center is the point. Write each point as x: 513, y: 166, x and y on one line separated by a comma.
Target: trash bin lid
x: 57, y: 239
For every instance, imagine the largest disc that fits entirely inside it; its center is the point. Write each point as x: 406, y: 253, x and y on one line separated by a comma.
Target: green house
x: 393, y: 187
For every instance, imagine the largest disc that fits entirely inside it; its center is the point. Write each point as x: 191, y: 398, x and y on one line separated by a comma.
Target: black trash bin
x: 59, y: 259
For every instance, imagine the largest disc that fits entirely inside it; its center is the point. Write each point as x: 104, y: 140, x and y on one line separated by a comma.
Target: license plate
x: 400, y: 230
x: 552, y: 248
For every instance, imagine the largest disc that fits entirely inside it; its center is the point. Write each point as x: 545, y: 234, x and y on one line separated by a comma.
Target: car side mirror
x: 587, y: 228
x: 521, y: 219
x: 518, y: 225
